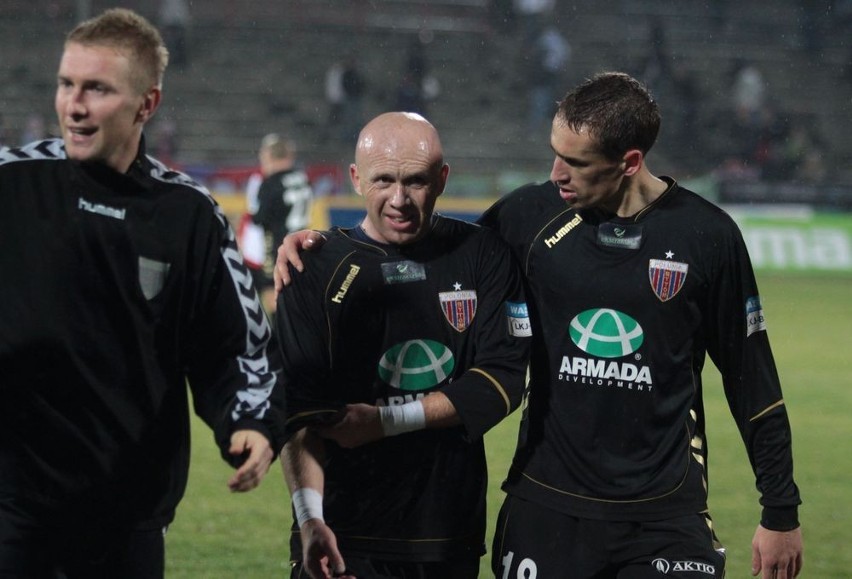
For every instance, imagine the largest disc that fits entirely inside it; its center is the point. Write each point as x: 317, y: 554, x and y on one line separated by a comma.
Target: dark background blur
x: 756, y: 96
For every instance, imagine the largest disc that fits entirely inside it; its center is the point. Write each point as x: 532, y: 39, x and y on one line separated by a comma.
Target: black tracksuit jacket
x: 117, y: 289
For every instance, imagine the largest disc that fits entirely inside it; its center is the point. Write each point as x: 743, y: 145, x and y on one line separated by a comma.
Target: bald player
x: 403, y: 343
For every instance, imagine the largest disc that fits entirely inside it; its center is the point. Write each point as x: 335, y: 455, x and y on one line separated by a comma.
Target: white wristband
x: 308, y: 505
x: 402, y: 418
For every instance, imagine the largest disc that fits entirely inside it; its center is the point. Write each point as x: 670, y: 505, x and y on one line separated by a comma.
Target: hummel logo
x: 100, y: 209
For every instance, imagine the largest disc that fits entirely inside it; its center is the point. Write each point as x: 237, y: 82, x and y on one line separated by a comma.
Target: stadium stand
x: 255, y: 67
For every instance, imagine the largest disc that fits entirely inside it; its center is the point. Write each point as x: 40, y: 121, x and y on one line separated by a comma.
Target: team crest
x: 459, y: 307
x: 152, y: 276
x: 667, y: 277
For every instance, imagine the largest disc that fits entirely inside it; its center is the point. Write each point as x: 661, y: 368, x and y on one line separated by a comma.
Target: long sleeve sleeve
x: 233, y: 364
x: 494, y: 385
x: 739, y: 345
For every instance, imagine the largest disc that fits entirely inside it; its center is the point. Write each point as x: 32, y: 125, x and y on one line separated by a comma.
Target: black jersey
x: 116, y: 289
x: 283, y: 206
x: 387, y: 325
x: 623, y: 312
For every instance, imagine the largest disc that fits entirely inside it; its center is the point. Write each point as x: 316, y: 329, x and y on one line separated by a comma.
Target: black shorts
x: 34, y: 546
x: 376, y: 569
x: 532, y: 541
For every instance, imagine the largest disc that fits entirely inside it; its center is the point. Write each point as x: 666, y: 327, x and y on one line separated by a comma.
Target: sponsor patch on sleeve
x: 519, y: 319
x: 755, y: 322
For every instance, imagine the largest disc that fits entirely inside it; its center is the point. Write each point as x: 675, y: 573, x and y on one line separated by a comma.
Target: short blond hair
x: 277, y: 147
x: 127, y: 31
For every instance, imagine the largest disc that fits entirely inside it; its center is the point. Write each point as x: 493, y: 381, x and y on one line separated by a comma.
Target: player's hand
x: 776, y: 554
x: 320, y: 556
x: 360, y: 424
x: 256, y: 464
x: 288, y: 254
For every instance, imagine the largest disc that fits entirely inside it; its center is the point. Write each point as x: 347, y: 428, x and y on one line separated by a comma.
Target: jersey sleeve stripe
x: 766, y: 410
x: 497, y: 386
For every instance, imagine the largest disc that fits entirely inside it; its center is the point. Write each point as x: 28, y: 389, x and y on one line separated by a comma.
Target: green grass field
x: 222, y: 536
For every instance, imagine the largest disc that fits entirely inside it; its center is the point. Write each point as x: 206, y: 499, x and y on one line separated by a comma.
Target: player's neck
x: 642, y: 190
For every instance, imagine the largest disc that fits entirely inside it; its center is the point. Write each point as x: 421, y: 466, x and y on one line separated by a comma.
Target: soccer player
x: 403, y: 343
x: 283, y: 204
x: 632, y: 281
x: 121, y: 282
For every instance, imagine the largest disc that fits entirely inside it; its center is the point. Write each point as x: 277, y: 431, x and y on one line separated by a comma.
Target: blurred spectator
x: 753, y: 125
x: 35, y: 129
x: 756, y: 143
x: 546, y: 58
x: 533, y: 15
x: 803, y: 154
x: 502, y: 15
x: 748, y: 90
x: 812, y: 168
x: 354, y: 87
x: 165, y: 141
x: 656, y: 70
x: 671, y: 82
x: 417, y: 85
x: 409, y: 95
x: 685, y: 100
x: 847, y: 67
x: 810, y: 19
x: 415, y: 60
x: 174, y: 22
x: 5, y: 139
x: 841, y: 27
x: 719, y: 13
x: 334, y: 94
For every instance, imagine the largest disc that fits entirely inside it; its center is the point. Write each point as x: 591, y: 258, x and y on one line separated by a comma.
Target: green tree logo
x: 416, y: 365
x: 606, y: 333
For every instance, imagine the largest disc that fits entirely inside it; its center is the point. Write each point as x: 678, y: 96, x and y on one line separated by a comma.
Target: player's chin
x: 402, y: 233
x: 77, y: 152
x: 404, y: 239
x: 85, y: 153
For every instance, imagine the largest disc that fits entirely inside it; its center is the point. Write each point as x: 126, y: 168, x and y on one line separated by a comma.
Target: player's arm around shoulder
x: 289, y: 254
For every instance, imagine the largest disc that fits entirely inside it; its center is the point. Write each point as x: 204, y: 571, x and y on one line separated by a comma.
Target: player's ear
x: 355, y: 178
x: 150, y: 103
x: 632, y: 160
x: 442, y: 183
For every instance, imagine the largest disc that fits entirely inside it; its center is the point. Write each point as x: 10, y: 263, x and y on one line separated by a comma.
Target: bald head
x: 399, y: 169
x: 399, y: 135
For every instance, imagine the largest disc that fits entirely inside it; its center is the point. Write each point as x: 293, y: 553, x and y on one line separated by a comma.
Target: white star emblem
x: 669, y: 254
x: 457, y: 286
